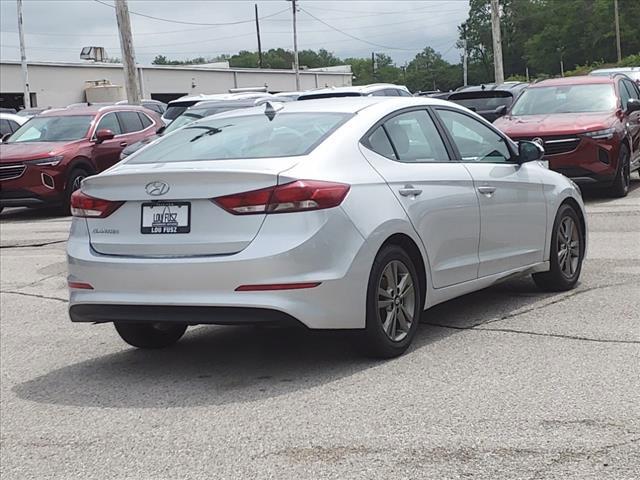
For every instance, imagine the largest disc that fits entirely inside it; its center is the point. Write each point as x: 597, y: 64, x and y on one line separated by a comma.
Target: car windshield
x: 185, y: 119
x: 251, y: 136
x: 566, y: 99
x: 482, y: 101
x: 63, y: 128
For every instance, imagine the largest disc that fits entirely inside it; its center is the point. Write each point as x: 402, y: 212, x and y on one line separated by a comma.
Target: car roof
x: 577, y: 80
x: 218, y: 96
x: 615, y: 70
x: 359, y: 89
x: 337, y: 105
x: 92, y: 110
x: 14, y: 117
x: 506, y: 86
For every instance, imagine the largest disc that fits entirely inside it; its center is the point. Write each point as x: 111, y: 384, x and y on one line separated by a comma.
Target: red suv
x: 590, y: 127
x: 44, y: 161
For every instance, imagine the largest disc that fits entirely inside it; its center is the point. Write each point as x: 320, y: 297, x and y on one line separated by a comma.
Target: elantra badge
x: 156, y: 188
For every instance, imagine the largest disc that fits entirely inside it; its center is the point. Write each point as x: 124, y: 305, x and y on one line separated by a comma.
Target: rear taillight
x: 83, y: 205
x: 298, y: 196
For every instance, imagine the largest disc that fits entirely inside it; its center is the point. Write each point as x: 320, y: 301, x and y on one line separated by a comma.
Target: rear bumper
x: 333, y: 253
x: 100, y: 313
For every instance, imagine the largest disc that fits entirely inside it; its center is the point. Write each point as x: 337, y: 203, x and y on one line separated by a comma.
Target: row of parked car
x: 588, y: 125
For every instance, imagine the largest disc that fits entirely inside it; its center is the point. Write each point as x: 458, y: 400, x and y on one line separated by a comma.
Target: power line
x: 354, y: 37
x: 194, y: 23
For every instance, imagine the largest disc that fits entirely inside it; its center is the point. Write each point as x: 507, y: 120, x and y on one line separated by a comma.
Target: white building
x: 56, y: 84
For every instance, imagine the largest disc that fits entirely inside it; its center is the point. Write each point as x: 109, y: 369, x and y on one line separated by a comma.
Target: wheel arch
x: 579, y: 212
x: 409, y: 245
x: 82, y: 163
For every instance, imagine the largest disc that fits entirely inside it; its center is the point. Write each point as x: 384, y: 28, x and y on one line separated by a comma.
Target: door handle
x: 123, y: 144
x: 409, y: 191
x: 487, y: 190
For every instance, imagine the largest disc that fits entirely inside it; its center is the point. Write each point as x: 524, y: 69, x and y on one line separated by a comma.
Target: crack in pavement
x: 539, y: 334
x: 545, y: 305
x: 32, y: 245
x: 35, y: 295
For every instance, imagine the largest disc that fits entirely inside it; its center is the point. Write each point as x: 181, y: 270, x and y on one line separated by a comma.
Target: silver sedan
x: 354, y: 213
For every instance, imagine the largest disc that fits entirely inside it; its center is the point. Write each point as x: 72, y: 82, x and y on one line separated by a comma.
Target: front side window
x: 625, y: 95
x: 109, y: 122
x: 598, y: 97
x: 631, y: 89
x: 475, y: 141
x: 415, y: 138
x: 63, y: 128
x: 248, y: 136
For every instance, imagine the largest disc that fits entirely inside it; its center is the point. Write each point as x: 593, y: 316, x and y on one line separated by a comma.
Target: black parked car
x: 490, y: 100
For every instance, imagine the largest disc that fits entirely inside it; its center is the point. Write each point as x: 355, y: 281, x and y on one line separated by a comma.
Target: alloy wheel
x: 77, y: 182
x: 396, y: 300
x: 568, y: 247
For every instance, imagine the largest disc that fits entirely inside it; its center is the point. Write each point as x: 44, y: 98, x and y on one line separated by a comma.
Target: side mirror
x: 104, y: 134
x: 529, y: 151
x: 500, y: 110
x: 633, y: 105
x: 161, y: 130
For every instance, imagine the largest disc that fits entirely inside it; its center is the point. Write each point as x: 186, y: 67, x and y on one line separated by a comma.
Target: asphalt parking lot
x: 507, y: 383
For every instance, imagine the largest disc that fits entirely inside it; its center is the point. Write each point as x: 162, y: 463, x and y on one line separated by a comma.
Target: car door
x: 107, y: 153
x: 513, y: 214
x: 633, y: 119
x: 437, y: 194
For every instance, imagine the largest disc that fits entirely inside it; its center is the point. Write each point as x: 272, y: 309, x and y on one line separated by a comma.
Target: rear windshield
x: 176, y: 109
x: 482, y: 101
x: 598, y: 97
x: 53, y: 129
x: 251, y: 136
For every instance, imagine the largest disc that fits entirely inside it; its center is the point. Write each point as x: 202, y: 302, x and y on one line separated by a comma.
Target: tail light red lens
x: 83, y: 205
x: 298, y: 196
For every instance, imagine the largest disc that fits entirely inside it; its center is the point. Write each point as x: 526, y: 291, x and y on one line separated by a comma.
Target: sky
x: 56, y: 30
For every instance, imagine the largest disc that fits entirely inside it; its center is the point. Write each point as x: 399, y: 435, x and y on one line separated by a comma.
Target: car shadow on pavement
x: 222, y: 365
x: 30, y: 214
x: 594, y: 194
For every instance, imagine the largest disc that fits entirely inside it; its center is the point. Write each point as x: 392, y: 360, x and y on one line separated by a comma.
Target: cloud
x: 56, y: 30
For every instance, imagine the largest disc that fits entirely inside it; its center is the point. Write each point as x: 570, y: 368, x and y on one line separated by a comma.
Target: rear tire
x: 620, y: 187
x: 566, y: 253
x: 150, y: 335
x: 394, y: 304
x: 73, y: 183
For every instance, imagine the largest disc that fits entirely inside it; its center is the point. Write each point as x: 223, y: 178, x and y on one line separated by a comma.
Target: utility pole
x: 258, y: 33
x: 296, y: 64
x: 497, y: 42
x: 464, y: 63
x: 128, y: 54
x: 23, y: 59
x: 617, y: 17
x: 373, y: 65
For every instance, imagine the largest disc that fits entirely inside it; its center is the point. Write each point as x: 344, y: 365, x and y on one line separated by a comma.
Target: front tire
x: 620, y: 187
x: 566, y: 253
x: 150, y: 335
x: 73, y: 183
x: 394, y: 304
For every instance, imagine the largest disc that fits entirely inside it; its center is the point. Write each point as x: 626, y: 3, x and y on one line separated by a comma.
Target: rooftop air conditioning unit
x: 97, y: 54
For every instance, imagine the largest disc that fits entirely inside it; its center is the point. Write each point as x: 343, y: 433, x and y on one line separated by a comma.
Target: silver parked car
x: 353, y: 213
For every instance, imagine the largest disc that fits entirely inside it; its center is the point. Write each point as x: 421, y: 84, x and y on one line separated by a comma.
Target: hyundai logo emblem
x: 156, y: 188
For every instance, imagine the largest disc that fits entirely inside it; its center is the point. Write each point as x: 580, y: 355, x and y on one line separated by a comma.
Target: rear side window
x: 130, y: 122
x: 415, y: 138
x: 379, y: 142
x: 14, y: 126
x: 249, y: 136
x: 109, y: 122
x: 146, y: 121
x: 404, y: 93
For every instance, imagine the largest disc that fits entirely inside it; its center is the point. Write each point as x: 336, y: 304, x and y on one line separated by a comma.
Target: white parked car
x: 9, y: 123
x: 355, y: 213
x: 371, y: 90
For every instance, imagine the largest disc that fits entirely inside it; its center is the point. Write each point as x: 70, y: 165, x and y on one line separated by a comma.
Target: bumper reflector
x: 80, y: 285
x: 276, y: 286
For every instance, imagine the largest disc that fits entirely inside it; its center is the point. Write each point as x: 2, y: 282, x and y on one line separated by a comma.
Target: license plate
x: 166, y: 217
